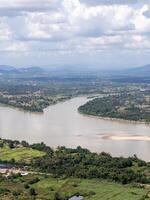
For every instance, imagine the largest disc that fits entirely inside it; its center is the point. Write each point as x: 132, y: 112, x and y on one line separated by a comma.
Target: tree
x: 32, y: 192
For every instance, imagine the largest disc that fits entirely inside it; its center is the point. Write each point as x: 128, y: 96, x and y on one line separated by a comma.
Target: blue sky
x: 94, y: 33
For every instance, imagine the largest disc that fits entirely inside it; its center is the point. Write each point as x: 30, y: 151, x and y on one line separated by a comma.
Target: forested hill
x: 124, y: 106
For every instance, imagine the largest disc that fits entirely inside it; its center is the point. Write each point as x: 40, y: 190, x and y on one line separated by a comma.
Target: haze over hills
x: 6, y: 68
x: 132, y: 72
x: 140, y: 71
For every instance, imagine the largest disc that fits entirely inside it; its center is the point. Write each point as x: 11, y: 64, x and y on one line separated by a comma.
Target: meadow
x: 43, y: 187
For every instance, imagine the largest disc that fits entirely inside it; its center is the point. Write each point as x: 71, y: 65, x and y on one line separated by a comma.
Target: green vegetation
x: 19, y: 154
x: 16, y: 152
x: 65, y: 172
x: 34, y: 89
x: 127, y: 106
x: 34, y: 103
x: 79, y: 162
x: 50, y: 188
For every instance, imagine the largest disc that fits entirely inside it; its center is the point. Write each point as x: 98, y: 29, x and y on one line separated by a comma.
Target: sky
x: 75, y: 33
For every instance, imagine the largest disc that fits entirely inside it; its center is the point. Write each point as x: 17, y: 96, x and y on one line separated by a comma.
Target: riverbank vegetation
x: 126, y: 106
x: 31, y: 102
x: 79, y: 162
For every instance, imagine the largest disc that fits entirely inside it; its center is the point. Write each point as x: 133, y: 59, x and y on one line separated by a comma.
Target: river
x: 62, y: 125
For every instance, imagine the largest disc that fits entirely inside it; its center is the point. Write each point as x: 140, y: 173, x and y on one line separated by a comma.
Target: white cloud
x: 76, y: 26
x: 15, y: 47
x: 17, y: 7
x: 110, y: 2
x: 147, y: 12
x: 142, y: 23
x: 45, y: 26
x: 138, y: 42
x: 77, y: 20
x: 5, y: 32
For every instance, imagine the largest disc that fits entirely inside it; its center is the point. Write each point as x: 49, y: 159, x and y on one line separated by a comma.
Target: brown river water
x: 62, y: 125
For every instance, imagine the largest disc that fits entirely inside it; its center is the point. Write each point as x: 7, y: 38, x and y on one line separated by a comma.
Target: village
x: 7, y: 170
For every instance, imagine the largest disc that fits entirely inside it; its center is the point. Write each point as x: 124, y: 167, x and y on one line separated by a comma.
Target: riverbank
x: 126, y: 107
x: 41, y: 108
x: 114, y: 119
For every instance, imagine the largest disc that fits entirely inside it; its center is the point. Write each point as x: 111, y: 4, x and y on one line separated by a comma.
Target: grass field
x: 91, y: 189
x: 47, y: 188
x: 19, y: 154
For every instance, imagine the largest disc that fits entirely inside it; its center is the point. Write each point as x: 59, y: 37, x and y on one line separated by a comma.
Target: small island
x: 125, y: 106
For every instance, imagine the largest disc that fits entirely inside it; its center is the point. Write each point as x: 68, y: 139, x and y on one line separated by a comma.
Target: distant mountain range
x: 11, y: 69
x: 31, y: 69
x: 6, y: 68
x: 140, y: 71
x: 135, y: 72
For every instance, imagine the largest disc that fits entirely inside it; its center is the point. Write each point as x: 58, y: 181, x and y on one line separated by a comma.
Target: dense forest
x: 125, y: 106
